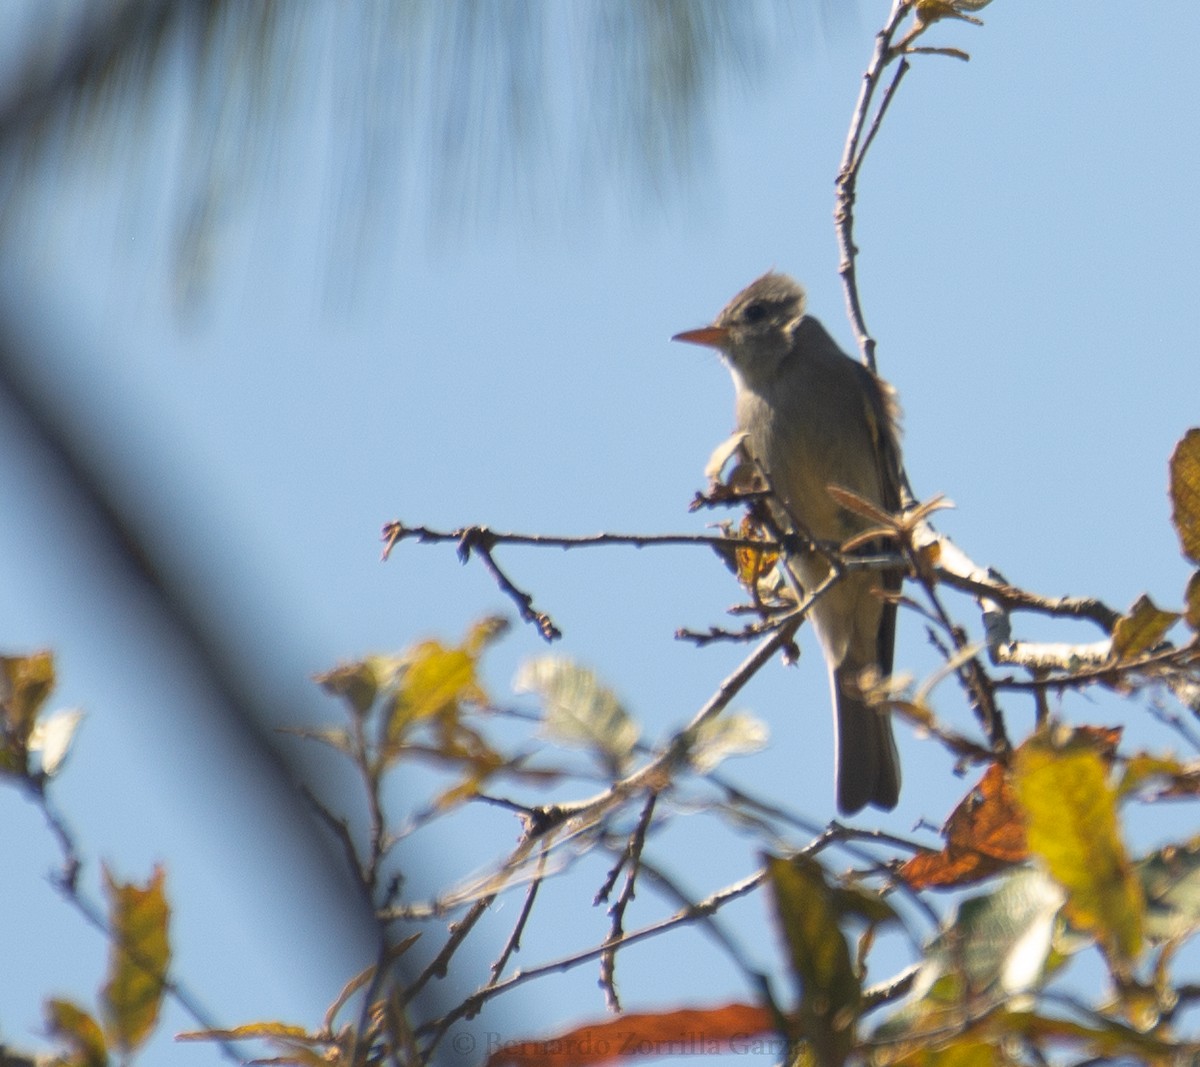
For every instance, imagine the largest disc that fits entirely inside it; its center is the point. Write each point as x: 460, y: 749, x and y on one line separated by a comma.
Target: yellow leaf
x: 141, y: 954
x: 753, y: 564
x: 806, y: 909
x: 254, y: 1031
x: 1106, y: 1041
x: 1071, y: 824
x: 1144, y: 768
x: 436, y: 680
x: 72, y: 1025
x: 1191, y: 599
x: 1142, y: 629
x: 961, y: 1052
x: 25, y: 683
x: 1185, y: 493
x: 735, y: 733
x: 295, y: 1044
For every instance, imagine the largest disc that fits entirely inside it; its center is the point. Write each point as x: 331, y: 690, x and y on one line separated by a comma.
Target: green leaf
x: 137, y: 969
x: 806, y: 911
x: 1171, y: 883
x: 579, y: 709
x: 1071, y: 824
x: 736, y: 734
x: 1001, y: 940
x: 70, y: 1024
x: 993, y: 946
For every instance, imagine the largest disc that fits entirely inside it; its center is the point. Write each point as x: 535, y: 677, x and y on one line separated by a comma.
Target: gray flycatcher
x: 814, y: 417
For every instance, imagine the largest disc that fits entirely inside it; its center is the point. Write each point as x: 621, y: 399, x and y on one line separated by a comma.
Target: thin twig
x: 1155, y: 665
x: 513, y: 944
x: 340, y: 829
x: 710, y: 924
x: 701, y: 638
x: 876, y: 123
x: 1176, y: 722
x: 480, y: 541
x: 980, y: 688
x: 395, y: 532
x: 458, y: 932
x: 631, y: 860
x: 471, y: 1005
x: 847, y: 179
x: 1013, y: 597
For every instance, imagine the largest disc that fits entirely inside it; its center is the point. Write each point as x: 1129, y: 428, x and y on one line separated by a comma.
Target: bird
x: 813, y: 417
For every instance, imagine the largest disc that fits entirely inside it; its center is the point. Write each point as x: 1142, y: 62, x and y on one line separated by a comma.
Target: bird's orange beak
x: 713, y: 336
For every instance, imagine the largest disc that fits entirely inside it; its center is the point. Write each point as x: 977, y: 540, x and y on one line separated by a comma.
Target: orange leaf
x: 984, y: 834
x: 752, y: 563
x: 684, y: 1031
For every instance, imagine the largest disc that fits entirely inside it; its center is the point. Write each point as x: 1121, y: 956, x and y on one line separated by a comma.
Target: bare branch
x: 631, y: 859
x: 471, y: 1005
x: 513, y: 944
x: 480, y: 540
x: 395, y: 532
x: 852, y: 160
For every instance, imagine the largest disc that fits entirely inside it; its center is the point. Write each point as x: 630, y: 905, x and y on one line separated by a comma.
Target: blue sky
x: 1028, y: 234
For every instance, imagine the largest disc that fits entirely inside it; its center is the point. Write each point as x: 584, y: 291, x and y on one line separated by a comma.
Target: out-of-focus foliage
x: 440, y: 104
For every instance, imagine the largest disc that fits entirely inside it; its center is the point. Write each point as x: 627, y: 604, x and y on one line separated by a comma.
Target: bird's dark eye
x: 755, y: 312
